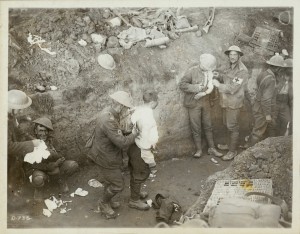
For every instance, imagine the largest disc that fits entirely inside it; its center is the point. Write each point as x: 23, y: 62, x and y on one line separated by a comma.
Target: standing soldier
x: 106, y: 149
x: 197, y: 85
x: 284, y: 99
x: 232, y: 89
x: 263, y: 108
x: 16, y: 150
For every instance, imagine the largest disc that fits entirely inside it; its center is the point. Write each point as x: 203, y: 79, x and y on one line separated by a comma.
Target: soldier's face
x: 41, y: 132
x: 233, y: 57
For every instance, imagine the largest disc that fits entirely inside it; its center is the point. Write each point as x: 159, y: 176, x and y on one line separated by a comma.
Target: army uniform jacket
x: 266, y: 94
x: 193, y: 82
x: 15, y: 148
x: 233, y: 87
x: 108, y: 142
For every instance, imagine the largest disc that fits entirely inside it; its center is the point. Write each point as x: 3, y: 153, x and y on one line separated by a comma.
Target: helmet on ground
x: 234, y: 48
x: 288, y: 63
x: 208, y: 62
x: 44, y: 122
x: 276, y: 60
x: 106, y: 61
x: 123, y: 98
x: 18, y: 99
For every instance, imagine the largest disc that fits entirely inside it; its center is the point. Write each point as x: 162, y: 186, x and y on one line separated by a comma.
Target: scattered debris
x: 112, y: 42
x: 175, y: 159
x: 149, y: 202
x: 95, y: 183
x: 40, y: 88
x: 53, y: 88
x: 47, y: 213
x: 210, y: 20
x: 82, y: 42
x: 79, y: 192
x: 214, y: 160
x: 115, y: 22
x: 190, y: 29
x: 51, y: 205
x: 98, y: 39
x: 182, y: 22
x: 157, y: 42
x: 38, y: 40
x: 64, y: 210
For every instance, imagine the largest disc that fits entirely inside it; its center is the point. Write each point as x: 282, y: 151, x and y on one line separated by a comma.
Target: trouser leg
x: 207, y: 125
x: 139, y: 171
x: 260, y: 124
x: 195, y: 124
x: 232, y: 122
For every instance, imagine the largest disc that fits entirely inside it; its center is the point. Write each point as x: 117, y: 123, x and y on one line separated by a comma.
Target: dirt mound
x: 268, y: 159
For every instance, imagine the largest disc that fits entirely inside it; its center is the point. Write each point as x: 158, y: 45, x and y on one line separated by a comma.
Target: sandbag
x: 241, y: 213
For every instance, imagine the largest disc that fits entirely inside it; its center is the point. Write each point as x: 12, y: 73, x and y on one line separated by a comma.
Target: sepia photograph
x: 148, y: 116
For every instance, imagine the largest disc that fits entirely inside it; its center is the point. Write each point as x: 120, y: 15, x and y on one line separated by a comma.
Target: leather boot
x: 115, y: 204
x: 198, y: 154
x: 213, y: 151
x: 105, y: 204
x: 138, y: 204
x: 230, y: 155
x: 234, y: 139
x: 198, y: 144
x: 252, y: 141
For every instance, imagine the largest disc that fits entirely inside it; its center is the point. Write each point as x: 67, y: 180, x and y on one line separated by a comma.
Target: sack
x: 90, y: 141
x: 241, y: 213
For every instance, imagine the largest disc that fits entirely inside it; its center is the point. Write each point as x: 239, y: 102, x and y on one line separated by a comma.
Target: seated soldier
x: 54, y: 167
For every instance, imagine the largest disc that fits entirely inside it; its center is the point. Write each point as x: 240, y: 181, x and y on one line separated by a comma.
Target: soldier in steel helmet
x: 106, y: 147
x: 54, y: 167
x: 231, y: 85
x: 264, y: 106
x: 284, y: 99
x: 16, y: 149
x: 197, y: 85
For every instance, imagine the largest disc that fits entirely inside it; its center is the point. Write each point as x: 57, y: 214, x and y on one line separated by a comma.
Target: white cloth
x: 39, y: 153
x: 148, y: 137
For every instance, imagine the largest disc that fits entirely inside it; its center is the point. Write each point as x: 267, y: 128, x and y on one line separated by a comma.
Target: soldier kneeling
x: 54, y: 167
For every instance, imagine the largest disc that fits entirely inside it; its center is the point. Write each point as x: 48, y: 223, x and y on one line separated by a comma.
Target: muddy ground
x: 183, y: 178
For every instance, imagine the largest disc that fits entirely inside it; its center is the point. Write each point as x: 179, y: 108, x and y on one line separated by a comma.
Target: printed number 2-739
x: 20, y: 217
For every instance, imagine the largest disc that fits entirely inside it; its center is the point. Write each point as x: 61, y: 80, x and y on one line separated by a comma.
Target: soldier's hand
x: 36, y: 142
x: 60, y: 161
x: 135, y: 130
x: 199, y: 95
x: 268, y: 118
x: 52, y: 166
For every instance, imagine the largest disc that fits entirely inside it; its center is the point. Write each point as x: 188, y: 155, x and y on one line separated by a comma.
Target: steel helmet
x: 276, y: 60
x: 122, y: 97
x: 45, y: 122
x: 234, y: 48
x: 18, y: 99
x: 288, y: 63
x: 106, y: 61
x: 208, y: 62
